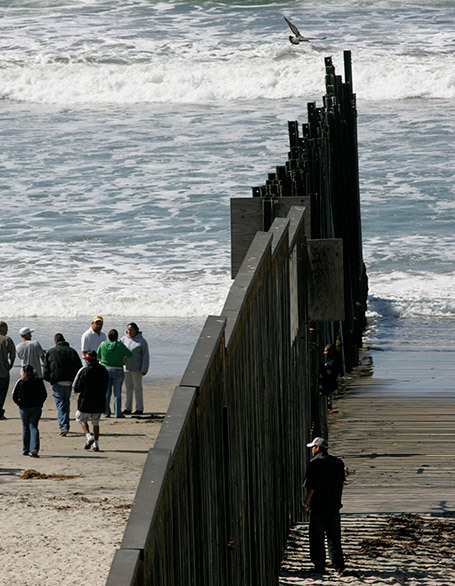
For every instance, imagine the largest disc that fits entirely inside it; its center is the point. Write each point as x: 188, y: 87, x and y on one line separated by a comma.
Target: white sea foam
x: 140, y: 52
x: 221, y: 75
x: 166, y: 294
x: 124, y: 209
x: 410, y: 294
x: 386, y: 250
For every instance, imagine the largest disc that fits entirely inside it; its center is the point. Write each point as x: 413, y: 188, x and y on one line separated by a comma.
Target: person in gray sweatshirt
x: 135, y: 368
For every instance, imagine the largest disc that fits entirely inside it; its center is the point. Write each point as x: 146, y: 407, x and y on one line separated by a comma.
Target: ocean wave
x: 404, y: 294
x: 180, y: 294
x: 226, y: 75
x: 409, y: 250
x: 176, y: 298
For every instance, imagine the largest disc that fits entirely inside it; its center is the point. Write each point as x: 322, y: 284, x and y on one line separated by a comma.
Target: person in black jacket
x: 324, y: 480
x: 329, y: 371
x: 29, y: 394
x: 91, y: 384
x: 61, y: 365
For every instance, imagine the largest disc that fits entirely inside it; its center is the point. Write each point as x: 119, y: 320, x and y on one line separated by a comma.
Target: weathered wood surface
x: 252, y: 214
x: 266, y: 405
x: 246, y: 220
x: 396, y: 429
x: 125, y: 568
x: 282, y: 206
x: 325, y: 280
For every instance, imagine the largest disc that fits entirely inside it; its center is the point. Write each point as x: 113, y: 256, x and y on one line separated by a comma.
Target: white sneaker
x: 89, y: 443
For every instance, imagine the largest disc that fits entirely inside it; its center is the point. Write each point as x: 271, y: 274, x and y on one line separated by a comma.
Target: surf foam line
x: 411, y: 294
x: 269, y: 74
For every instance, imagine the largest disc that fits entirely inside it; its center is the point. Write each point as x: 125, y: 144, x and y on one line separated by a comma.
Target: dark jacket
x: 91, y: 383
x: 29, y: 393
x: 325, y: 475
x: 61, y: 363
x: 328, y: 375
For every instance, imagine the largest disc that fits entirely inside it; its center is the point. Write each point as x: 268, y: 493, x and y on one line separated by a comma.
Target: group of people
x: 108, y: 363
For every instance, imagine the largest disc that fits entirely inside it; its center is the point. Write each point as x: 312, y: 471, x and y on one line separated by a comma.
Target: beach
x: 61, y: 530
x: 123, y: 145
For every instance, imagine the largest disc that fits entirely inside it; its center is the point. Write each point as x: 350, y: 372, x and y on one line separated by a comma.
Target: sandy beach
x: 59, y: 531
x: 380, y: 549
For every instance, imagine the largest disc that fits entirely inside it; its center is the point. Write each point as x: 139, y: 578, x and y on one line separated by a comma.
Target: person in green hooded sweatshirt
x: 112, y: 354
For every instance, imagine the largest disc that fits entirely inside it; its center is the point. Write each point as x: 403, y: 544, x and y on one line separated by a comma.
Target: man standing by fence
x: 324, y: 480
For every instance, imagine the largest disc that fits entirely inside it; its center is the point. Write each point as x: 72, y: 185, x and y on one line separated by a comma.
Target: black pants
x: 4, y: 382
x: 325, y: 523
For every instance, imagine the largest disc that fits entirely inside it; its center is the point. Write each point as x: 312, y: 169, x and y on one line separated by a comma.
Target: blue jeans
x: 325, y: 523
x: 116, y: 376
x: 62, y: 396
x: 4, y: 383
x: 30, y: 435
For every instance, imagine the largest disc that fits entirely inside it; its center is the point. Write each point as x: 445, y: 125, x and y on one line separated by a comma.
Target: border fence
x: 222, y: 484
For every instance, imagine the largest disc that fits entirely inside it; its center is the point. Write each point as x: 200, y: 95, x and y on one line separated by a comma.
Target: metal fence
x: 222, y: 484
x: 223, y: 481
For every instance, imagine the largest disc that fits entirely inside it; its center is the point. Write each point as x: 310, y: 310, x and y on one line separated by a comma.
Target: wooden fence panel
x: 298, y: 420
x: 177, y: 542
x: 247, y: 218
x: 325, y: 282
x: 280, y: 352
x: 222, y: 484
x: 261, y: 392
x: 245, y: 398
x: 205, y: 372
x: 283, y: 205
x: 126, y: 568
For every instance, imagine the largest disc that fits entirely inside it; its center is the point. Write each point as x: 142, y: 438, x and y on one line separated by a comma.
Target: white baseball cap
x: 24, y: 331
x: 318, y: 441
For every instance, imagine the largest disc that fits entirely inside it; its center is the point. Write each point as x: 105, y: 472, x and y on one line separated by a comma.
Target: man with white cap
x: 324, y: 480
x: 93, y: 337
x: 30, y: 352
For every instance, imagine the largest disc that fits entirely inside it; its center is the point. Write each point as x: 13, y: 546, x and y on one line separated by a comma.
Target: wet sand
x: 59, y: 531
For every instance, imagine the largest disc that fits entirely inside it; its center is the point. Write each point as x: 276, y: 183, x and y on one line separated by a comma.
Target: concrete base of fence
x: 126, y: 565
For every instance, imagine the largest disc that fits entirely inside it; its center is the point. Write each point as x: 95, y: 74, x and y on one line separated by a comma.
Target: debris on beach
x: 409, y: 533
x: 31, y: 474
x: 380, y: 549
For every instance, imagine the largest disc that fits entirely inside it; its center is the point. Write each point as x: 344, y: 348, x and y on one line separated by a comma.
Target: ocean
x: 128, y: 125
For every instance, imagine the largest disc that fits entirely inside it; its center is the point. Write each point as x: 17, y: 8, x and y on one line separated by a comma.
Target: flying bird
x: 298, y: 38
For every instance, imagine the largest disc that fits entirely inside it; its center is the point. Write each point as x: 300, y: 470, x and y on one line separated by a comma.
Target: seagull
x: 298, y: 37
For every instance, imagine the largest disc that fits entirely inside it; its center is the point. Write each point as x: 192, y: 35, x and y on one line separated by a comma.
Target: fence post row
x: 321, y: 173
x: 222, y: 484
